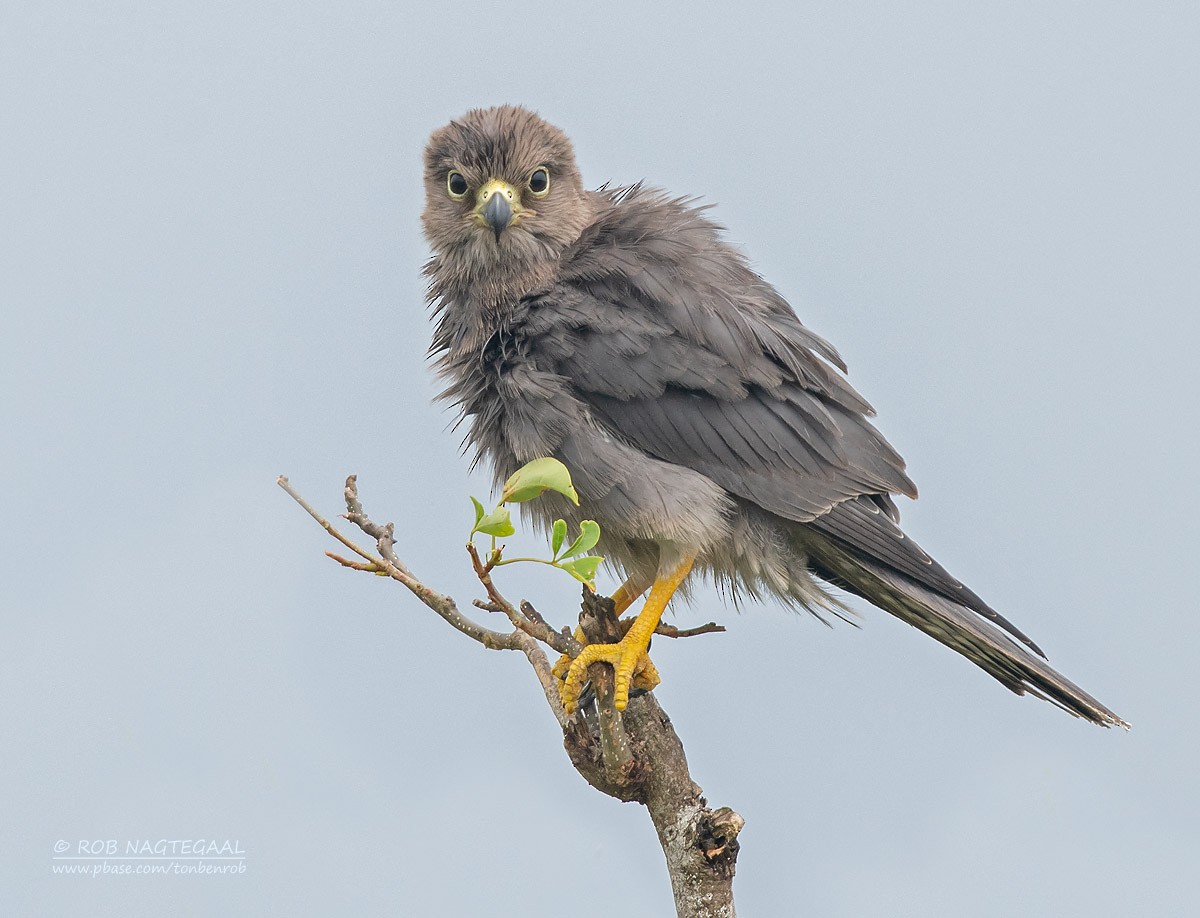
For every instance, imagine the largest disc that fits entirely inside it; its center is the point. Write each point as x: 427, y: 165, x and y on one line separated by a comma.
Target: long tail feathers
x: 957, y: 627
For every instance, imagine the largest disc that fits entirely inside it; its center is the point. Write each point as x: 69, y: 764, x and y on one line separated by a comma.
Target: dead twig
x: 635, y: 755
x: 537, y: 629
x: 672, y: 632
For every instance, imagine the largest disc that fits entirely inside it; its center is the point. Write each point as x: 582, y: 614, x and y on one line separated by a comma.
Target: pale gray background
x: 209, y: 270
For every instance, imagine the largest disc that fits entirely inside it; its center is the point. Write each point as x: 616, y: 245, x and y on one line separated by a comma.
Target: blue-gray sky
x: 210, y: 274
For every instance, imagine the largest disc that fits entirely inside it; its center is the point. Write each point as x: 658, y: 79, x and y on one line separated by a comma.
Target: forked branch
x: 633, y: 755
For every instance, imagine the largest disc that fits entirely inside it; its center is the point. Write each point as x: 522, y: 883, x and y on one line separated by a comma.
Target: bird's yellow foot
x: 631, y: 665
x: 645, y: 675
x: 559, y: 670
x: 622, y: 599
x: 624, y: 658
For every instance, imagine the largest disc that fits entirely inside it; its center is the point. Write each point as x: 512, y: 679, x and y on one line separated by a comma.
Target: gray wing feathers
x: 682, y: 350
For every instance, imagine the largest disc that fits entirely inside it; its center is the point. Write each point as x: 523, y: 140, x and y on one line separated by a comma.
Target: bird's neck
x: 472, y: 300
x: 491, y: 284
x: 472, y: 315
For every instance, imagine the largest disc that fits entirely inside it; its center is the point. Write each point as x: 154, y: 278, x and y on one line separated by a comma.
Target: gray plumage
x: 617, y: 331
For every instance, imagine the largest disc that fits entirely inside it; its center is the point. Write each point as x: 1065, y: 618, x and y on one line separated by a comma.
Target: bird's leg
x: 623, y: 597
x: 626, y: 655
x: 626, y: 594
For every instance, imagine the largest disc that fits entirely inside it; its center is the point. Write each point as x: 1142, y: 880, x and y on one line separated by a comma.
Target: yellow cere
x: 495, y: 186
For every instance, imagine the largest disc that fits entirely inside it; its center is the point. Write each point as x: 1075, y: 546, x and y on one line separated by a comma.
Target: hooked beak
x: 497, y: 206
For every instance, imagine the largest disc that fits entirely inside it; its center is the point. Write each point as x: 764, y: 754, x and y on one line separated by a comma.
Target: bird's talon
x: 631, y: 668
x: 559, y: 669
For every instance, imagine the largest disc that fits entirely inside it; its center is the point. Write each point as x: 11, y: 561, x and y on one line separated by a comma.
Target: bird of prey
x: 706, y: 429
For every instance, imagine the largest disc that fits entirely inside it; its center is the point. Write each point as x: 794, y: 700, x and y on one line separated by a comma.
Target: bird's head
x: 503, y: 196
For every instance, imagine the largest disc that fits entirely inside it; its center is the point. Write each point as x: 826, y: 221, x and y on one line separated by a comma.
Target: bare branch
x: 369, y: 566
x: 633, y: 756
x: 328, y: 526
x: 383, y: 535
x: 535, y: 628
x: 484, y: 573
x: 440, y: 603
x: 615, y: 754
x: 541, y: 668
x: 533, y: 614
x: 487, y: 606
x: 672, y: 632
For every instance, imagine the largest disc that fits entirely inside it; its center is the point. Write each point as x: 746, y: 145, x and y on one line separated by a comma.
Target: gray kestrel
x: 706, y: 429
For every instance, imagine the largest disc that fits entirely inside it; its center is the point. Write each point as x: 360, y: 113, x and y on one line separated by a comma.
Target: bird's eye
x: 539, y: 181
x: 456, y: 184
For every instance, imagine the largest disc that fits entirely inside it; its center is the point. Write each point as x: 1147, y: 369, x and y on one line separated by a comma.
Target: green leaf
x: 559, y: 536
x: 537, y: 476
x: 589, y: 535
x: 479, y: 511
x: 582, y: 569
x: 497, y: 523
